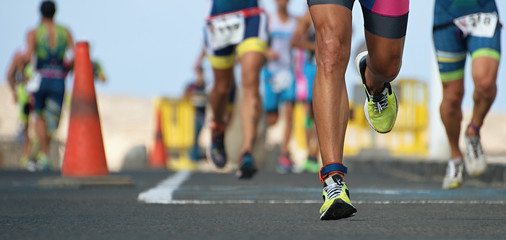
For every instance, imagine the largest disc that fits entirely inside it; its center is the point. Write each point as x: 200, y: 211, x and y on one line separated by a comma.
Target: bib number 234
x: 225, y: 30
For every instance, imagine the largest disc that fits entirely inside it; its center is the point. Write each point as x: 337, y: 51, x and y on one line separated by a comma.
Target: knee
x: 452, y: 99
x: 333, y: 54
x: 485, y: 83
x: 250, y: 83
x: 388, y: 67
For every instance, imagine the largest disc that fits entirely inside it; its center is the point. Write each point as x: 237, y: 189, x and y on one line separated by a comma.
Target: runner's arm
x: 299, y: 38
x: 30, y: 46
x: 17, y: 64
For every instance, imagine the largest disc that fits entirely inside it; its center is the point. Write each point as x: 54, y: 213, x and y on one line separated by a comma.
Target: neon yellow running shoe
x: 380, y: 109
x: 336, y: 203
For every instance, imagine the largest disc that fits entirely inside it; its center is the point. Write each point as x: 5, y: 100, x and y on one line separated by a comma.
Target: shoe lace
x: 333, y: 190
x: 451, y: 170
x: 476, y: 146
x: 380, y: 102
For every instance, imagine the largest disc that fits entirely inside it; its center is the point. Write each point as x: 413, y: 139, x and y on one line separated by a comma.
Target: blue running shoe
x: 216, y: 152
x: 247, y: 167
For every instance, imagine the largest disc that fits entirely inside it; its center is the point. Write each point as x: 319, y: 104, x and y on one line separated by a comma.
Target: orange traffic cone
x: 84, y: 151
x: 157, y: 157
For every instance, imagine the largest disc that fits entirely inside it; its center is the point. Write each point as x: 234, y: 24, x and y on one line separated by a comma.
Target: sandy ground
x: 127, y: 122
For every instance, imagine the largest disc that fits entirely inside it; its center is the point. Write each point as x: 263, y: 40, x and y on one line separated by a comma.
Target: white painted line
x: 402, y: 202
x: 162, y: 193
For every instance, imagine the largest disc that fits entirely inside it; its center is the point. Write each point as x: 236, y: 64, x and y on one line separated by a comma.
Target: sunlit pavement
x: 184, y: 205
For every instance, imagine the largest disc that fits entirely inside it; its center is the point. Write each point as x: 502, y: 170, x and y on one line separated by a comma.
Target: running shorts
x: 48, y: 101
x: 453, y: 39
x: 236, y: 32
x: 384, y: 18
x: 273, y: 97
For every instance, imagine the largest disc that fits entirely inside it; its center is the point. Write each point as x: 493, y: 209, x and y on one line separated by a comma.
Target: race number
x: 225, y: 30
x: 478, y: 24
x: 33, y: 83
x: 281, y: 80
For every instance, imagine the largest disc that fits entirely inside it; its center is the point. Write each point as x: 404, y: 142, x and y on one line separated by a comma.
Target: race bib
x: 225, y: 30
x: 33, y: 83
x: 478, y: 24
x: 281, y: 81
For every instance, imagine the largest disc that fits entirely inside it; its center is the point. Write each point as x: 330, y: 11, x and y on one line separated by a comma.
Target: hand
x: 271, y: 55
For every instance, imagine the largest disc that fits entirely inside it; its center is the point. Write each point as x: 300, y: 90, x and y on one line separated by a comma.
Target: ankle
x: 473, y: 130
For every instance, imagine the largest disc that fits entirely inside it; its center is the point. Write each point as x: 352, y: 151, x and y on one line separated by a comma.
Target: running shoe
x: 247, y: 167
x: 216, y: 151
x: 284, y: 163
x: 42, y: 162
x: 380, y: 109
x: 311, y: 165
x: 453, y: 177
x: 475, y: 160
x: 336, y: 198
x: 28, y: 164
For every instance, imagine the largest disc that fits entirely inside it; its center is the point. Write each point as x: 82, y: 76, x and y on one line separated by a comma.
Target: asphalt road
x: 270, y: 206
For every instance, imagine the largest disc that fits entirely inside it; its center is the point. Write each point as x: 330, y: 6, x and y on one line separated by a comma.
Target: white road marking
x: 387, y: 202
x: 162, y: 193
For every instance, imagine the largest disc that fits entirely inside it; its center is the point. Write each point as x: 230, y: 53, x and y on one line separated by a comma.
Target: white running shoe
x: 475, y: 160
x: 454, y: 172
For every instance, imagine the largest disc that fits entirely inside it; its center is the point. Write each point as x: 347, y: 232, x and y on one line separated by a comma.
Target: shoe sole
x: 338, y: 210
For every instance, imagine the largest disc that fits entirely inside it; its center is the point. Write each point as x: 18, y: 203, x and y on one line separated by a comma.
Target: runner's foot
x: 336, y: 203
x: 380, y: 109
x: 454, y: 174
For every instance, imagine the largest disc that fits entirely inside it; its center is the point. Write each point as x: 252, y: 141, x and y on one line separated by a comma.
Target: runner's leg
x: 330, y: 98
x: 383, y: 61
x: 251, y: 106
x: 218, y: 97
x: 484, y: 71
x: 451, y: 113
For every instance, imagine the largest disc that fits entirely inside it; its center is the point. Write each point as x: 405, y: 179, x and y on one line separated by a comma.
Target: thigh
x: 451, y: 52
x: 255, y: 35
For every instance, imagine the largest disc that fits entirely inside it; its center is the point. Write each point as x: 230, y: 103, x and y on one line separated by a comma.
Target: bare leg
x: 288, y: 127
x: 384, y: 61
x: 451, y: 114
x: 251, y: 63
x: 485, y: 89
x: 41, y: 133
x: 218, y: 96
x: 330, y: 98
